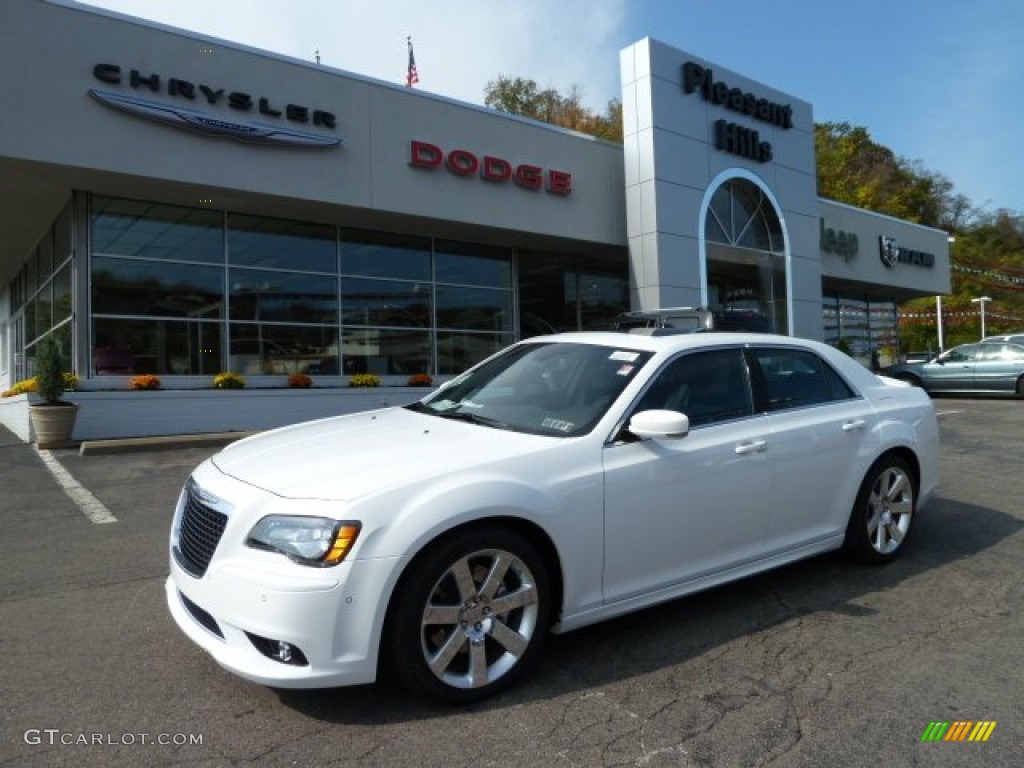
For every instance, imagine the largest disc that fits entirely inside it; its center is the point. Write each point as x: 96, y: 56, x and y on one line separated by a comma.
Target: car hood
x: 346, y: 457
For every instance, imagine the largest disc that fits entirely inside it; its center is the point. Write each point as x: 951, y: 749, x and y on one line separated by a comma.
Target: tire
x: 470, y: 616
x: 910, y: 379
x: 883, y: 513
x: 1020, y: 386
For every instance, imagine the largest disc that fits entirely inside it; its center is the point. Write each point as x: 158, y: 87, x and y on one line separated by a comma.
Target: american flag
x: 412, y: 76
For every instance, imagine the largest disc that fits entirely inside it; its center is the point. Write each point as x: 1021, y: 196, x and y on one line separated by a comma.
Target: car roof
x: 674, y: 342
x: 1013, y: 337
x: 670, y: 345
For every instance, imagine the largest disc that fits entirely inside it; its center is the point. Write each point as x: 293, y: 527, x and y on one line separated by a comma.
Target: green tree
x: 521, y: 96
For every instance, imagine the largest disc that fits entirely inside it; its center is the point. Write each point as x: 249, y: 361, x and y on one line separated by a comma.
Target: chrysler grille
x: 201, y: 529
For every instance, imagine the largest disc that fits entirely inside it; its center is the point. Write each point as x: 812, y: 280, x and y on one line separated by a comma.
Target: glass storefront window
x: 155, y: 231
x: 601, y: 298
x: 132, y: 346
x: 386, y: 302
x: 62, y: 294
x: 372, y: 254
x: 457, y: 352
x: 176, y: 290
x: 283, y: 296
x: 465, y: 264
x: 255, y: 241
x: 385, y: 352
x: 480, y: 309
x: 156, y: 288
x: 283, y: 349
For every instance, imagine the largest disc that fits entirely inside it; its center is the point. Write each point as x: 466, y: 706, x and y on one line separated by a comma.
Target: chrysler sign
x: 186, y: 109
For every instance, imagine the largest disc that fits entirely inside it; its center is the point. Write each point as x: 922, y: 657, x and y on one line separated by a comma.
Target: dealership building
x: 183, y: 206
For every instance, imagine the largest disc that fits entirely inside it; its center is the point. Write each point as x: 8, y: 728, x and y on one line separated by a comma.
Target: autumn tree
x: 520, y: 96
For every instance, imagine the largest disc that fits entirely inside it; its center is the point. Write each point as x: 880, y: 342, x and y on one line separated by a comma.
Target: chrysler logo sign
x: 188, y: 117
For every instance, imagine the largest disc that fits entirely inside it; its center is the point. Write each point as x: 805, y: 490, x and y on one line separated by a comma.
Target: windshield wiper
x: 473, y: 418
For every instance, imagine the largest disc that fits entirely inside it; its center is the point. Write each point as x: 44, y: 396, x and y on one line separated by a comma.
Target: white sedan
x: 566, y: 480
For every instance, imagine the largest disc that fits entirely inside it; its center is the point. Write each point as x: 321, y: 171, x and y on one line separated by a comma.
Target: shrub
x: 49, y: 376
x: 300, y: 381
x: 145, y: 381
x: 364, y: 380
x: 228, y: 381
x: 420, y: 380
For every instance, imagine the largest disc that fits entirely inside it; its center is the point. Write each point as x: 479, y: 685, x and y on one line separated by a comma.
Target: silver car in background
x: 991, y: 365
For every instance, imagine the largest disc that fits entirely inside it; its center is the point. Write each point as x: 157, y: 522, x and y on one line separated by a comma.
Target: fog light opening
x: 280, y: 651
x: 284, y: 652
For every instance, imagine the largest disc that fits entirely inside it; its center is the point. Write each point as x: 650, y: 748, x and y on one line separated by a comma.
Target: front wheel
x: 883, y: 513
x: 470, y: 616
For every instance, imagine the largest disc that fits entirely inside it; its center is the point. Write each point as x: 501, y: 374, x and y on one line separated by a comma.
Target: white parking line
x: 93, y: 508
x: 946, y: 413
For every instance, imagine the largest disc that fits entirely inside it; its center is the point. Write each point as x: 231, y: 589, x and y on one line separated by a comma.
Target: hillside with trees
x: 987, y: 251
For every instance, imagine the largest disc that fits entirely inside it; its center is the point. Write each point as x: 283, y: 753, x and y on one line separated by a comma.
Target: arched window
x: 746, y: 252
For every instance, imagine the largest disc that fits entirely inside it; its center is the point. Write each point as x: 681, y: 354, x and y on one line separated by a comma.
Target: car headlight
x: 316, y: 541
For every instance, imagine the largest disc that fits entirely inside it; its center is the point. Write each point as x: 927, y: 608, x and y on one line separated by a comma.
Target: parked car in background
x: 565, y: 480
x: 667, y: 321
x: 984, y: 366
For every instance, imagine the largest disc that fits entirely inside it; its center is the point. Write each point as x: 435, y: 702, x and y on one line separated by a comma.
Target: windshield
x: 559, y: 389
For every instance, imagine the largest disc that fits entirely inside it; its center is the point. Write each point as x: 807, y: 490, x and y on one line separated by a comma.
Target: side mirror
x: 659, y: 425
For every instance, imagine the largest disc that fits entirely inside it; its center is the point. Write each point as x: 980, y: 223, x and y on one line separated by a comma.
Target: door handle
x: 854, y: 426
x: 753, y: 446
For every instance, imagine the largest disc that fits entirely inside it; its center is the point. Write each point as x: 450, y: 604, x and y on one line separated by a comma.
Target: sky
x: 937, y: 82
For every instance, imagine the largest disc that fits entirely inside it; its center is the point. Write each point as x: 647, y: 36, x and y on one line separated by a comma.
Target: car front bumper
x: 334, y: 617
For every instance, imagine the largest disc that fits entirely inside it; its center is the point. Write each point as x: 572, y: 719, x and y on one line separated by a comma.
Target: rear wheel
x: 470, y: 616
x: 883, y: 514
x: 1020, y: 386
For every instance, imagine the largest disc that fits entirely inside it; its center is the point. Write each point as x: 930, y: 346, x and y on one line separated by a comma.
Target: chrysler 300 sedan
x: 563, y: 481
x: 991, y: 365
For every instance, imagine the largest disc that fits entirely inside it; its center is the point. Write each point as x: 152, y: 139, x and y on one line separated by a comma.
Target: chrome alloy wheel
x: 479, y: 618
x: 890, y: 508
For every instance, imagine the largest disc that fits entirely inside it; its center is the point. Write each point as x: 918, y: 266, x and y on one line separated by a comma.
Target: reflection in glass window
x: 283, y: 296
x: 374, y: 254
x: 283, y: 349
x: 474, y: 308
x: 281, y: 244
x: 163, y: 347
x: 44, y: 310
x: 385, y: 302
x: 467, y: 264
x: 457, y: 352
x: 155, y: 231
x: 133, y: 287
x: 62, y: 294
x: 385, y: 352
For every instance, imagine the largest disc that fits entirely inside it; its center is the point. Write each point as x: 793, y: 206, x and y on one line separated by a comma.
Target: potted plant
x: 53, y: 419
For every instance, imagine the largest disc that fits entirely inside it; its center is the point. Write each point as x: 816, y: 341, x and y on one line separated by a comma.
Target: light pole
x: 981, y: 300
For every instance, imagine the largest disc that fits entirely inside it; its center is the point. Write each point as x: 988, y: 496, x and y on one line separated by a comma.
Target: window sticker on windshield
x: 561, y: 426
x: 624, y: 356
x: 625, y: 370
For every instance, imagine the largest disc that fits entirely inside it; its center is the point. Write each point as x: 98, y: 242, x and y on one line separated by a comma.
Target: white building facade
x: 182, y: 206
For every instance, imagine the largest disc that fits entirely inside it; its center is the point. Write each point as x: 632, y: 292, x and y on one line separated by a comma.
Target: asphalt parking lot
x: 821, y: 663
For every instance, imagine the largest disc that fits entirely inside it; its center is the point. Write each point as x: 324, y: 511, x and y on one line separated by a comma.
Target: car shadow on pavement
x: 827, y: 589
